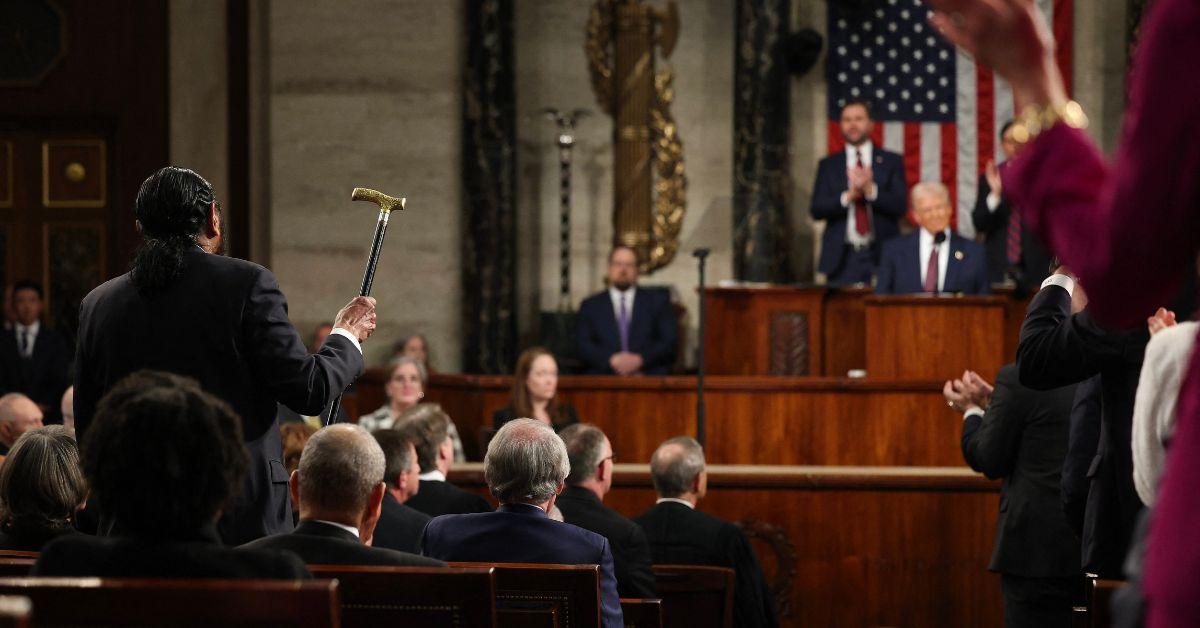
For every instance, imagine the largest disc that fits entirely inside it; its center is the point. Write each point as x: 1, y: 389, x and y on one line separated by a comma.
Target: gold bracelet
x: 1034, y: 119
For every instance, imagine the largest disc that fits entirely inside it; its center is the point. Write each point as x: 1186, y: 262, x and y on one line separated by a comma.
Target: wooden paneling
x: 845, y: 338
x: 905, y: 547
x: 934, y: 337
x: 751, y: 420
x: 752, y: 331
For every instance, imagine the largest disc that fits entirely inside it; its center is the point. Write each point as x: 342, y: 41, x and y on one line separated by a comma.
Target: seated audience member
x: 162, y: 458
x: 1020, y: 434
x: 525, y: 467
x: 405, y: 389
x: 340, y: 489
x: 1166, y: 362
x: 41, y: 489
x: 933, y: 258
x: 416, y: 347
x: 427, y: 427
x: 1014, y: 252
x: 33, y: 358
x: 681, y: 535
x: 18, y: 414
x: 581, y: 503
x: 625, y: 330
x: 287, y: 415
x: 399, y: 525
x: 535, y: 386
x: 67, y: 406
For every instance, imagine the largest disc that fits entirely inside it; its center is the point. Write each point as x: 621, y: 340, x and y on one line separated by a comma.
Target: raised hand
x: 1161, y: 320
x: 358, y: 317
x: 992, y: 174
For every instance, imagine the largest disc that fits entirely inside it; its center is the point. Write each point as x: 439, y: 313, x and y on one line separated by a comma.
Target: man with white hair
x: 18, y: 414
x: 933, y: 259
x: 339, y: 487
x: 525, y: 468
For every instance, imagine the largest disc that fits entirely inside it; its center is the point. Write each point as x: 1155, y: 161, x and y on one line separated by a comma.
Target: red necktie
x: 1013, y: 247
x: 931, y: 272
x: 862, y: 220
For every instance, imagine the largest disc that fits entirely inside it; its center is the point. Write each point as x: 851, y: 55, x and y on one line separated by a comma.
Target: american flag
x: 931, y: 103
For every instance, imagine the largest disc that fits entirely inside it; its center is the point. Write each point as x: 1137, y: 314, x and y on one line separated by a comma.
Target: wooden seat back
x: 535, y: 595
x: 695, y: 596
x: 642, y: 612
x: 413, y: 596
x: 190, y: 603
x: 1100, y: 603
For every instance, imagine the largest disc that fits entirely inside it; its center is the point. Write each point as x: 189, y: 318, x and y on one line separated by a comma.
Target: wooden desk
x: 856, y: 546
x: 773, y: 330
x: 751, y: 420
x: 934, y: 337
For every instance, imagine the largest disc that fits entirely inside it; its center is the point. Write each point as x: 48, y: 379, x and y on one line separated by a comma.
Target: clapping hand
x: 969, y: 391
x: 992, y: 174
x: 1161, y: 320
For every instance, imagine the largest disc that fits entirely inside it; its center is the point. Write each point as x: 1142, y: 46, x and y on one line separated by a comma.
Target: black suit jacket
x: 318, y: 543
x: 506, y: 414
x: 1034, y: 264
x: 197, y: 556
x: 653, y: 331
x: 1057, y: 348
x: 1082, y: 448
x: 1023, y: 439
x: 443, y: 498
x: 223, y: 322
x: 43, y: 377
x: 679, y: 535
x: 520, y: 533
x: 900, y: 267
x: 630, y: 549
x: 399, y: 526
x: 891, y: 202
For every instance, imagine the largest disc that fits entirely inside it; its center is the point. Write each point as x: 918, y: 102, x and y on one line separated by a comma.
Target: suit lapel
x: 610, y: 319
x: 639, y: 317
x: 912, y: 261
x: 954, y: 265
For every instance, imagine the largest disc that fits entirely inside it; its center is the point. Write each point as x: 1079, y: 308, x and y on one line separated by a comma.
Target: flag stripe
x: 893, y: 136
x: 967, y: 158
x: 949, y: 137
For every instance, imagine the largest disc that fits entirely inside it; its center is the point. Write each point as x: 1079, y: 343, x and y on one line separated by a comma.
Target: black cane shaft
x: 373, y: 260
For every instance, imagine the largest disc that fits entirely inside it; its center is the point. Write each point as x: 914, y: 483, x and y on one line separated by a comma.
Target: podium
x: 935, y: 337
x: 770, y: 330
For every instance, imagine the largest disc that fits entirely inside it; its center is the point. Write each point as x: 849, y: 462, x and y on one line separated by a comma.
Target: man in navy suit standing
x: 933, y: 259
x: 526, y: 467
x: 859, y: 193
x: 625, y: 330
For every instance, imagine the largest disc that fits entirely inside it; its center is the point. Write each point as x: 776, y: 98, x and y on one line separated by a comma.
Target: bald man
x: 18, y: 414
x: 339, y: 487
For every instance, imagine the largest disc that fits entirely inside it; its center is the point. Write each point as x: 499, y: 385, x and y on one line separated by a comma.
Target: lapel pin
x: 958, y: 255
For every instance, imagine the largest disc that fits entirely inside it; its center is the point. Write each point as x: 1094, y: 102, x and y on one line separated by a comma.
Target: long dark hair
x: 522, y: 404
x: 171, y: 208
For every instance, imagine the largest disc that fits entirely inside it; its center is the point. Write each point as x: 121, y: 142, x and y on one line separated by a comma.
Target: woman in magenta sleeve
x: 1130, y: 230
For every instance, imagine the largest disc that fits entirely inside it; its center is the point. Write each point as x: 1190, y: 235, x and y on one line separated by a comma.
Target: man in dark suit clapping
x: 627, y: 330
x: 681, y: 535
x: 33, y: 358
x: 933, y: 259
x: 525, y: 468
x: 185, y: 308
x: 582, y: 504
x: 339, y: 487
x: 1020, y: 434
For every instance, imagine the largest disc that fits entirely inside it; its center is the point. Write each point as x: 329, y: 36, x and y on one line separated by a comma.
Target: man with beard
x: 627, y: 330
x: 859, y: 192
x: 187, y: 309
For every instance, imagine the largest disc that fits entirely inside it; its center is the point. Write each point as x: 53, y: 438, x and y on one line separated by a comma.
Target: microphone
x: 700, y: 253
x: 939, y: 238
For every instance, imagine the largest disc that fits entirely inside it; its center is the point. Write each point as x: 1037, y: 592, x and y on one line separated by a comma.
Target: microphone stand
x: 700, y: 255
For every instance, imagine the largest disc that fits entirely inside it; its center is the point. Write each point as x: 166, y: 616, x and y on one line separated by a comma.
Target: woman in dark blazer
x: 534, y: 392
x: 41, y: 489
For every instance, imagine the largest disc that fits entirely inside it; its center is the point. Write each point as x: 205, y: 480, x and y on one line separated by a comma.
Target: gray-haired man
x: 525, y: 468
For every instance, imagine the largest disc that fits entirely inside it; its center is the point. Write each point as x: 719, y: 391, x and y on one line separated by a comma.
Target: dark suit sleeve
x: 981, y: 283
x: 826, y: 199
x: 57, y: 374
x: 1057, y: 348
x: 610, y: 600
x: 885, y: 276
x: 305, y: 383
x: 633, y: 565
x: 891, y: 194
x: 87, y: 390
x: 753, y: 604
x: 665, y: 340
x: 1083, y: 442
x: 990, y: 443
x: 986, y: 220
x: 591, y: 351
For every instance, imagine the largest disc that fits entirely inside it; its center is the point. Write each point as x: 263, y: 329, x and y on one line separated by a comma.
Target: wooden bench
x: 694, y: 596
x: 413, y: 596
x: 642, y: 612
x: 536, y: 595
x: 1100, y: 596
x: 192, y: 603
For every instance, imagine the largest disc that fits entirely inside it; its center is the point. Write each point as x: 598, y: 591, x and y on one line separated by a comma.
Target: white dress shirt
x: 432, y: 476
x: 852, y: 235
x: 1162, y: 375
x: 615, y: 295
x: 1062, y: 281
x: 676, y: 500
x: 926, y: 249
x: 351, y: 529
x: 20, y: 330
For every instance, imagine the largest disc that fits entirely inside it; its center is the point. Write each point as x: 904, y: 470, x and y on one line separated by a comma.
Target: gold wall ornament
x: 649, y: 179
x: 75, y: 172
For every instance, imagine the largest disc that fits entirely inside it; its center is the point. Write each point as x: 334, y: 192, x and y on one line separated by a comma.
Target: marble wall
x: 368, y: 93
